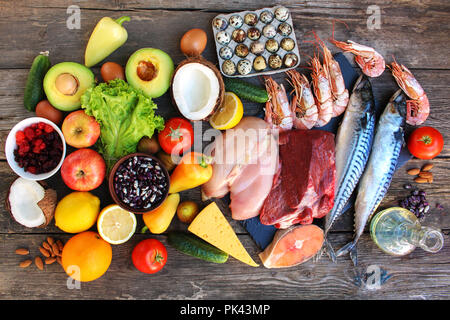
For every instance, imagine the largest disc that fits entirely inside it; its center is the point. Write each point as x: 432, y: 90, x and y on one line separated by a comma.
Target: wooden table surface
x: 416, y: 32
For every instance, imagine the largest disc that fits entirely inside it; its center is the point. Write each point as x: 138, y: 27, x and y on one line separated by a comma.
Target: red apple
x: 80, y: 130
x: 83, y: 170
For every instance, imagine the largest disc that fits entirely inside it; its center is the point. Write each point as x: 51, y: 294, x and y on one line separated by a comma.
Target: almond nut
x: 60, y: 245
x: 50, y: 240
x: 425, y: 174
x: 50, y: 260
x: 420, y: 180
x: 413, y: 171
x: 25, y: 263
x: 39, y: 263
x: 44, y: 252
x: 58, y: 259
x: 46, y: 246
x: 22, y: 251
x: 55, y: 248
x: 427, y: 167
x: 430, y: 179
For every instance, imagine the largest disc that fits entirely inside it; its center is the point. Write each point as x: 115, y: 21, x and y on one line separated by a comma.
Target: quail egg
x: 223, y: 37
x: 272, y: 45
x: 228, y: 67
x: 236, y: 21
x: 220, y: 23
x: 275, y: 61
x: 257, y: 48
x: 226, y: 53
x: 284, y: 29
x: 244, y: 67
x: 251, y: 19
x: 253, y: 33
x: 269, y: 31
x: 266, y: 16
x: 259, y: 64
x: 238, y: 35
x: 290, y: 60
x: 281, y: 14
x: 287, y: 44
x: 241, y: 50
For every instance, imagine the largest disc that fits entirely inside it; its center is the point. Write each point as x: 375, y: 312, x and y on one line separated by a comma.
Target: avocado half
x: 150, y: 70
x: 65, y: 83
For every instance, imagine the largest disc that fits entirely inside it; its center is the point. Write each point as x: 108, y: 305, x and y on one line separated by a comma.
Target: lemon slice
x: 229, y: 114
x: 116, y: 225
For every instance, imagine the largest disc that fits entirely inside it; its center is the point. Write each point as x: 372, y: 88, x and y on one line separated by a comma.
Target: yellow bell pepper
x: 158, y: 220
x: 108, y: 35
x: 192, y: 171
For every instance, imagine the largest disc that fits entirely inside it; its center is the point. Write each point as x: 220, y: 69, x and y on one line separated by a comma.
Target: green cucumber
x: 194, y: 246
x: 34, y: 89
x: 246, y: 90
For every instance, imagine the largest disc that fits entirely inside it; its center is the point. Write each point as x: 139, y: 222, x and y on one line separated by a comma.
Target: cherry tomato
x: 149, y: 256
x: 111, y: 71
x: 177, y: 136
x: 425, y: 143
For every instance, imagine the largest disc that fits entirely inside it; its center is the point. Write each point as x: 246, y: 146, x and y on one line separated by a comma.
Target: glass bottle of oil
x: 397, y: 231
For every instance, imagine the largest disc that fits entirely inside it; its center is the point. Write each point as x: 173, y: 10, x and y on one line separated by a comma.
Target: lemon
x: 77, y: 212
x: 116, y: 225
x: 229, y: 114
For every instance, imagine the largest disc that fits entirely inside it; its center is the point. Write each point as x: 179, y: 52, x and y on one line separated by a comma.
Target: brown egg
x: 111, y: 71
x: 193, y: 42
x: 45, y: 110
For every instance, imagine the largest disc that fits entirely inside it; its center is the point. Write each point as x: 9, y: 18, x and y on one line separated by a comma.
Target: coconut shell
x: 47, y: 204
x: 200, y: 59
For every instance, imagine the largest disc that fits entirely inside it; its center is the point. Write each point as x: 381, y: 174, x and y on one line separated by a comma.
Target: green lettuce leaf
x: 125, y: 116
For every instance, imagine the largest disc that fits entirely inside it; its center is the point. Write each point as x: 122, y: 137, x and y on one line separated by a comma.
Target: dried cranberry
x: 31, y: 169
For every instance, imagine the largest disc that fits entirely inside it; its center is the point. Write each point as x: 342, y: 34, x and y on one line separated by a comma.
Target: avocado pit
x: 67, y: 84
x: 146, y: 70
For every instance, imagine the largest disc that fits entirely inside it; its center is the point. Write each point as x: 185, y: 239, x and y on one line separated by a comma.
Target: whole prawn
x: 322, y: 91
x: 340, y: 93
x: 371, y: 62
x: 418, y: 108
x: 278, y: 111
x: 304, y: 110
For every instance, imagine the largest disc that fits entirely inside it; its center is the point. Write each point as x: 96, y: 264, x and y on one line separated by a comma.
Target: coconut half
x: 197, y: 88
x: 30, y: 203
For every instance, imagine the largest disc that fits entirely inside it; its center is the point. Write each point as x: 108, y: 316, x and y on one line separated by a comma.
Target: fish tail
x: 326, y: 249
x: 349, y: 248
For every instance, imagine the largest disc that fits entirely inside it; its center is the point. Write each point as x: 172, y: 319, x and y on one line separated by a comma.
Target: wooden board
x: 416, y: 32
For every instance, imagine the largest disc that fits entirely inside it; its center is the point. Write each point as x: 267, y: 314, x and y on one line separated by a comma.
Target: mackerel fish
x: 353, y: 143
x: 378, y: 174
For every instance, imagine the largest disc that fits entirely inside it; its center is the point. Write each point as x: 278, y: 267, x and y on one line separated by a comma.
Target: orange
x: 86, y: 256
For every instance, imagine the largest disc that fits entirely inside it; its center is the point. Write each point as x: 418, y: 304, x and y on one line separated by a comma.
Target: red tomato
x: 425, y: 143
x: 177, y: 136
x: 149, y: 256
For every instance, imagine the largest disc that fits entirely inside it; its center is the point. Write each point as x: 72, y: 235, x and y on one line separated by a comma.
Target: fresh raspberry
x: 20, y: 137
x: 37, y: 142
x: 38, y: 132
x: 34, y: 126
x: 29, y: 133
x: 36, y: 149
x: 42, y: 146
x: 48, y: 128
x: 41, y: 125
x: 31, y: 169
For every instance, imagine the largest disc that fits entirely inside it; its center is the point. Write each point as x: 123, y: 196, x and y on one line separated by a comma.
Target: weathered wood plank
x: 43, y: 26
x: 420, y: 275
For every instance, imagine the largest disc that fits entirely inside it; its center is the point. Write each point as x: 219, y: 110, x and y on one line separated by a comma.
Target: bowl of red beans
x: 35, y: 148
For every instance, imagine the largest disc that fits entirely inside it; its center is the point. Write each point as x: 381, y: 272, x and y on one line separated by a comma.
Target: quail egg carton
x: 267, y: 39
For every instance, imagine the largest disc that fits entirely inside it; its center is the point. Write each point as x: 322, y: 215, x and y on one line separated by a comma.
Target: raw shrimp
x: 418, y: 108
x: 303, y: 105
x: 322, y: 91
x: 340, y: 93
x: 371, y: 62
x: 278, y: 110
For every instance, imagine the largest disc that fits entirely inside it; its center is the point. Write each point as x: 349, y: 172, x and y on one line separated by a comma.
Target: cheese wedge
x: 212, y: 226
